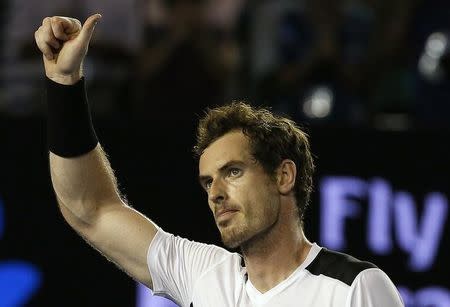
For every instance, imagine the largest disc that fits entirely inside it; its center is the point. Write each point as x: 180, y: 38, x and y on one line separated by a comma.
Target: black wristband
x: 70, y: 132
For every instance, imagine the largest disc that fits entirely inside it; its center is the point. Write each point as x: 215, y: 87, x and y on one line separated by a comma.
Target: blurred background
x: 369, y: 80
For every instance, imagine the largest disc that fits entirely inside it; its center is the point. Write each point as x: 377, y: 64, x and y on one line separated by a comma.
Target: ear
x: 286, y: 174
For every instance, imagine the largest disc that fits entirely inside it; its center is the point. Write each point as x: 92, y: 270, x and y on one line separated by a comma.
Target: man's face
x: 243, y: 198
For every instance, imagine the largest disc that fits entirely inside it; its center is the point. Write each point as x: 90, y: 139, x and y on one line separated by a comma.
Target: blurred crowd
x: 376, y: 63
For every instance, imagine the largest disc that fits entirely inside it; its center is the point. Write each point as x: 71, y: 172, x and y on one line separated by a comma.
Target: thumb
x: 88, y: 28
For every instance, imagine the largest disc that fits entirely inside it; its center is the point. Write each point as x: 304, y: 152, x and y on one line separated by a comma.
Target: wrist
x: 65, y: 79
x: 70, y: 132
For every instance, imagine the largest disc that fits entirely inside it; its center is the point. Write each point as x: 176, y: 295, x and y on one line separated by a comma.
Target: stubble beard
x: 235, y: 236
x: 242, y: 234
x: 244, y: 229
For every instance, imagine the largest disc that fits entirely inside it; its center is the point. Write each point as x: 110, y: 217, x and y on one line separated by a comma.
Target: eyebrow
x: 202, y: 179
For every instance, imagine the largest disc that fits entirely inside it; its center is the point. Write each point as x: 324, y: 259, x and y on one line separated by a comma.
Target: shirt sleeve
x: 373, y: 288
x: 175, y: 264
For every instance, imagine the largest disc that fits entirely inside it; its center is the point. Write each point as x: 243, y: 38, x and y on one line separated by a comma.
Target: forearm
x: 82, y: 177
x: 84, y: 185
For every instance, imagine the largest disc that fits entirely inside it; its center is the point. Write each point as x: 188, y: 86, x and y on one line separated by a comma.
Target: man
x: 256, y: 169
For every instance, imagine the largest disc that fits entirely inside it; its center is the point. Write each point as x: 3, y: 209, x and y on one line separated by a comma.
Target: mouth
x: 225, y: 214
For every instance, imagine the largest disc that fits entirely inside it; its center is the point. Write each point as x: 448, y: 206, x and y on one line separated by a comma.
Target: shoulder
x: 372, y: 287
x: 338, y: 266
x: 172, y: 245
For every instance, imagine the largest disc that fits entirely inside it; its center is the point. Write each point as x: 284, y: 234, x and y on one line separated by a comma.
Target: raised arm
x: 82, y: 178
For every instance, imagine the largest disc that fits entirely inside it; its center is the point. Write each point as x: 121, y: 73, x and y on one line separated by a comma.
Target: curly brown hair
x: 272, y: 139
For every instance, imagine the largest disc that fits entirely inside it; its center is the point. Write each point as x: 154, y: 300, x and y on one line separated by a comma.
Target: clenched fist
x: 64, y: 43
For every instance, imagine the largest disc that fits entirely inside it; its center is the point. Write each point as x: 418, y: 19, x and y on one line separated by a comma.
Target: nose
x: 217, y: 191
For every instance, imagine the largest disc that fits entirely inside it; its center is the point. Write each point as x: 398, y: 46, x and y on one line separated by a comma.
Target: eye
x: 208, y: 184
x: 234, y: 172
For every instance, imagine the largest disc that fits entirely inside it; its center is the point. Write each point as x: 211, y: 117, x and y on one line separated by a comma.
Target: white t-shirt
x: 202, y: 275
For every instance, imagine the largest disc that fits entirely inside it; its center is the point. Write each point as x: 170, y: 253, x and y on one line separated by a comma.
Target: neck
x: 272, y: 256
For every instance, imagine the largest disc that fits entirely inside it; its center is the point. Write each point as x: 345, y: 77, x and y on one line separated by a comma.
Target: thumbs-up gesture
x: 64, y: 42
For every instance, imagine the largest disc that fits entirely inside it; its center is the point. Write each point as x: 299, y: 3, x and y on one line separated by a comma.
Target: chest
x: 303, y: 291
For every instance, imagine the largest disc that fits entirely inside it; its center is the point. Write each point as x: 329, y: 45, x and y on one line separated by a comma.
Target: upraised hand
x: 64, y: 42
